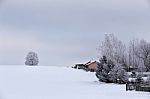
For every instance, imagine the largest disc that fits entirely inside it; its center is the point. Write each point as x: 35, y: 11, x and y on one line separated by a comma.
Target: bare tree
x: 142, y: 52
x: 133, y: 60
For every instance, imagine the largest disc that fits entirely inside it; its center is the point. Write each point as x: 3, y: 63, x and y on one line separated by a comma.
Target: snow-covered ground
x: 43, y: 82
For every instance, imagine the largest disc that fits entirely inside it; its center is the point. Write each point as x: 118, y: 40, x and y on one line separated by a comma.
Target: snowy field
x: 43, y: 82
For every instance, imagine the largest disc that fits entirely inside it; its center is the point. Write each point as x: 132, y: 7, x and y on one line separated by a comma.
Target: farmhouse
x: 89, y: 66
x: 92, y: 65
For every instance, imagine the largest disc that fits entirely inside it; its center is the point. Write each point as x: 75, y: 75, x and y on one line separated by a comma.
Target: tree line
x: 117, y: 59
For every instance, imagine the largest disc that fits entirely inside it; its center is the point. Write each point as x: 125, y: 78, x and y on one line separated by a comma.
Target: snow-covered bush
x: 103, y: 70
x: 32, y: 59
x: 139, y: 78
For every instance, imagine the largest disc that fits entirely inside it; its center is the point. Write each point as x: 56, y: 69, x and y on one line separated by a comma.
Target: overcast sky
x: 65, y: 32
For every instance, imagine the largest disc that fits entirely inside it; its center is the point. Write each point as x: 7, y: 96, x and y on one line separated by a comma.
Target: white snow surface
x: 45, y: 82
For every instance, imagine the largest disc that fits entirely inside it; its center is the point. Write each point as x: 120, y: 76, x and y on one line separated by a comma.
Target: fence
x: 138, y: 87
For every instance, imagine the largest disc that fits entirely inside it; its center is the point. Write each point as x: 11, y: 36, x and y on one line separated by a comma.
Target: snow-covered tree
x: 32, y: 59
x: 113, y: 49
x: 103, y: 70
x: 118, y: 74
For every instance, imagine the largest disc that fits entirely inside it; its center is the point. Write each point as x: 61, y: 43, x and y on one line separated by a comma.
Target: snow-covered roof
x: 143, y: 73
x: 146, y: 73
x: 132, y: 79
x: 145, y: 78
x: 129, y: 73
x: 90, y: 62
x: 132, y: 67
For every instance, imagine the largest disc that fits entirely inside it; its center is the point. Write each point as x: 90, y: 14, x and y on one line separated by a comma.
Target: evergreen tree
x: 103, y: 70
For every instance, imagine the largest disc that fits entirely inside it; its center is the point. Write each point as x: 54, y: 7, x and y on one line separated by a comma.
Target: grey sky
x: 64, y: 32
